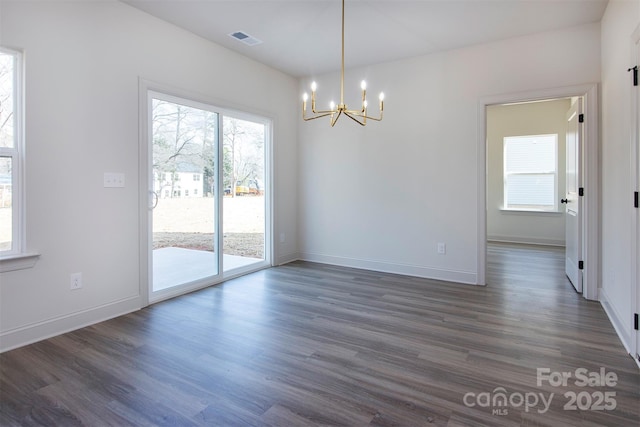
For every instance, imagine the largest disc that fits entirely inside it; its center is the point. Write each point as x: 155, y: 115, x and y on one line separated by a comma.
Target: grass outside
x: 189, y: 223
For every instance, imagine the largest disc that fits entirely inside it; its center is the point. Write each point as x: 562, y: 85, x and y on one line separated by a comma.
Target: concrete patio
x: 176, y: 266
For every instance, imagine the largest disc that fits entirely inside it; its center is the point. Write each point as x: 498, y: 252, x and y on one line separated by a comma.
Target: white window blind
x: 531, y: 172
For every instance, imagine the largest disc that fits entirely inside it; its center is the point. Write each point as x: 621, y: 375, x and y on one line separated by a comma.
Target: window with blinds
x: 531, y: 172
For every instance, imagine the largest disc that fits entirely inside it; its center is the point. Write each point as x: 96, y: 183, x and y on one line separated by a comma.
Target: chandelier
x: 335, y: 111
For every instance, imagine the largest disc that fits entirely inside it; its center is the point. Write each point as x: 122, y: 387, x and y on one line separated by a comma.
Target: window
x: 531, y: 172
x: 11, y: 231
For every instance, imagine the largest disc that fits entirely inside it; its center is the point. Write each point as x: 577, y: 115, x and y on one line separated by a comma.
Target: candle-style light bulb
x: 305, y: 97
x: 332, y: 105
x: 363, y: 85
x: 381, y: 96
x: 314, y: 86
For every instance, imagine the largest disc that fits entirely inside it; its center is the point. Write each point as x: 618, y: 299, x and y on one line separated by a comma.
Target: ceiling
x: 302, y: 37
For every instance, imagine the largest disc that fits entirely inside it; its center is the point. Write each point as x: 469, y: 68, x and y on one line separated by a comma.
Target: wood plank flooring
x: 308, y: 344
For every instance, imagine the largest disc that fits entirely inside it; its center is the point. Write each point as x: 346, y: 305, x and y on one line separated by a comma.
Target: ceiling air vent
x: 245, y: 38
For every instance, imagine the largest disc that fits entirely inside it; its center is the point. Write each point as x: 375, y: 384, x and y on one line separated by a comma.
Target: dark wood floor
x: 308, y: 344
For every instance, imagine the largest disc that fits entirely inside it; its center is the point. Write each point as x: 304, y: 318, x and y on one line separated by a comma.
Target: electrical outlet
x: 76, y: 281
x: 113, y: 180
x: 442, y: 248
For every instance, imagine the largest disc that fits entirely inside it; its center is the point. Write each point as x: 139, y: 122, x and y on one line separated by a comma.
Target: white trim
x: 615, y: 319
x: 591, y: 224
x: 34, y: 332
x: 18, y: 161
x: 457, y: 276
x: 591, y: 201
x: 529, y: 212
x: 635, y: 186
x: 144, y: 160
x: 526, y: 240
x: 287, y: 258
x: 18, y: 262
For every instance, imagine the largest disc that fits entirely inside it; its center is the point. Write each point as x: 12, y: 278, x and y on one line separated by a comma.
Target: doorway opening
x: 544, y: 224
x: 531, y: 161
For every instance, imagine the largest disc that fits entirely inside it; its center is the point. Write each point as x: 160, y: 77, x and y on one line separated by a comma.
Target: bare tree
x: 183, y: 139
x: 243, y: 152
x: 6, y: 100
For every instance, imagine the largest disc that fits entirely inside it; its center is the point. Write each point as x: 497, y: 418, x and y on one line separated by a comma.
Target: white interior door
x: 572, y: 199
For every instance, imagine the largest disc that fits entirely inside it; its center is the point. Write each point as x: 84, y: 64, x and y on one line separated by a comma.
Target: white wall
x: 619, y: 21
x: 83, y: 61
x: 382, y: 196
x: 538, y: 118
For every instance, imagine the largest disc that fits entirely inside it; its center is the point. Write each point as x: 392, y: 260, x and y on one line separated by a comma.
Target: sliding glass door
x: 208, y: 186
x: 244, y: 144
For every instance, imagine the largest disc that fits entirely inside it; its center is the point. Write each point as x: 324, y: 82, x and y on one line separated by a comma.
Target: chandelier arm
x: 324, y: 111
x: 352, y: 117
x: 335, y: 118
x: 306, y: 119
x: 357, y: 113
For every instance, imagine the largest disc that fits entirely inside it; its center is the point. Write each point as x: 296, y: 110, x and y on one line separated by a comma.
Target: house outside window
x: 531, y: 173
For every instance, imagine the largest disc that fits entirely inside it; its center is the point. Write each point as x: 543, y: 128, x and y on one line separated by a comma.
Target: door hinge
x: 581, y: 191
x: 580, y: 265
x: 581, y: 118
x: 635, y: 75
x: 635, y: 199
x: 635, y: 321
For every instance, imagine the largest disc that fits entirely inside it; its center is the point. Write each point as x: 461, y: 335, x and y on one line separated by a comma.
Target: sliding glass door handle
x: 153, y: 199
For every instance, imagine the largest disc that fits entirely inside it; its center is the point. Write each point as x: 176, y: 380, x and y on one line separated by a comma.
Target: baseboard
x: 526, y: 240
x: 465, y: 277
x: 616, y: 321
x: 29, y: 334
x: 285, y: 259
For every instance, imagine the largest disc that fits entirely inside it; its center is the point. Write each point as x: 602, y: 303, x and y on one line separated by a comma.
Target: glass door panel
x: 184, y: 148
x: 244, y: 206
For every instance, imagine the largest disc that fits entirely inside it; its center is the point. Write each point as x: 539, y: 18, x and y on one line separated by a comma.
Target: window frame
x: 17, y: 257
x: 555, y: 173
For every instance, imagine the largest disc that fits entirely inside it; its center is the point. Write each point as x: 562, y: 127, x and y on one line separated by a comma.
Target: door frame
x: 635, y: 186
x: 144, y: 252
x: 590, y: 171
